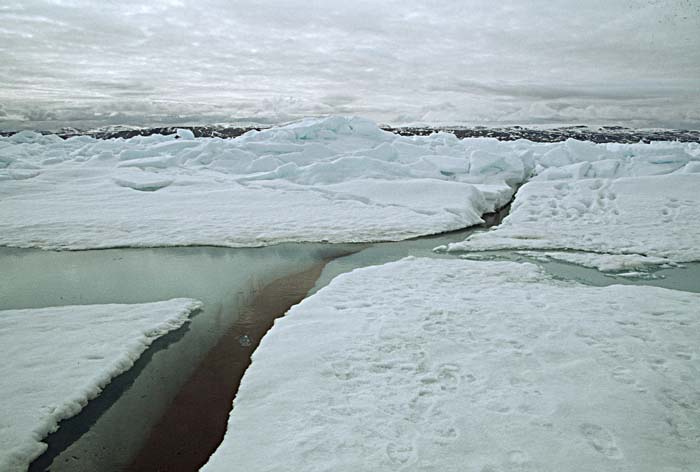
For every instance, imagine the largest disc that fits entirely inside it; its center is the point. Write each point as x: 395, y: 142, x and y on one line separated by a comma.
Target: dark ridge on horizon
x: 602, y: 134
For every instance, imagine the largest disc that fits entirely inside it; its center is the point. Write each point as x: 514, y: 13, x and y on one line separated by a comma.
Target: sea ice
x: 454, y: 365
x: 651, y: 216
x: 58, y: 358
x: 602, y: 262
x: 334, y: 179
x: 343, y: 179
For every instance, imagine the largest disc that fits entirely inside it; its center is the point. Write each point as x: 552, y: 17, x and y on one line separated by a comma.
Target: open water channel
x: 169, y: 411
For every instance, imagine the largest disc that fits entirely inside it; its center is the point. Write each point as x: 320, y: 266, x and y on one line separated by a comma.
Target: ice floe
x: 649, y: 217
x: 453, y: 365
x: 58, y: 358
x: 335, y: 179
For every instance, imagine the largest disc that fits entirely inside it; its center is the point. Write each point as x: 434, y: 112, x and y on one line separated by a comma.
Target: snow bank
x: 56, y: 359
x: 438, y: 365
x: 644, y: 216
x: 334, y: 179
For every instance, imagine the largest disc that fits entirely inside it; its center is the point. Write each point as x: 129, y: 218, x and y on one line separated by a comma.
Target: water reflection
x: 108, y: 435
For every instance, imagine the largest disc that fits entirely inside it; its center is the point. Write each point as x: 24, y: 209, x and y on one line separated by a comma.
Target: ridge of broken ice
x: 334, y: 179
x: 59, y: 358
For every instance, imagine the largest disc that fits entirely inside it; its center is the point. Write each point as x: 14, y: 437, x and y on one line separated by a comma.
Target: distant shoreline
x: 603, y: 134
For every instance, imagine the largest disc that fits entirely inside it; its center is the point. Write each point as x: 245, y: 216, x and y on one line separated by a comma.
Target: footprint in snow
x: 601, y: 440
x: 400, y: 454
x: 448, y: 377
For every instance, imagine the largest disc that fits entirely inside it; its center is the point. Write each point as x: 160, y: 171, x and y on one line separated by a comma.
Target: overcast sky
x: 91, y: 63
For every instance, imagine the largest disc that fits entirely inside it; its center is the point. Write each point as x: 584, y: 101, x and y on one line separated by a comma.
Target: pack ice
x: 58, y: 358
x: 334, y: 179
x: 624, y: 206
x: 453, y: 365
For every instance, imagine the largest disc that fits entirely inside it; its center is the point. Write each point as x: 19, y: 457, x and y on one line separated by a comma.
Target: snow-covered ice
x: 454, y: 365
x: 335, y: 179
x: 652, y: 216
x: 627, y: 206
x: 58, y: 358
x: 602, y: 262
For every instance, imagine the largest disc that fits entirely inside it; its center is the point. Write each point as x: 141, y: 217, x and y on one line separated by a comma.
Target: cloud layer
x: 79, y: 62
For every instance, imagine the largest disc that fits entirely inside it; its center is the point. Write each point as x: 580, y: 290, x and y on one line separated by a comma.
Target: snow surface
x: 58, y: 358
x: 453, y: 365
x: 648, y: 216
x: 88, y: 63
x: 335, y: 179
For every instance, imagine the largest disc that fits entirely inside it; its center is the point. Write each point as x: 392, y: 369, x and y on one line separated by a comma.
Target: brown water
x: 111, y: 430
x: 195, y: 422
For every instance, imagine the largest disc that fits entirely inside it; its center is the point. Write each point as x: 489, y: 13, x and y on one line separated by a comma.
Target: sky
x: 88, y: 63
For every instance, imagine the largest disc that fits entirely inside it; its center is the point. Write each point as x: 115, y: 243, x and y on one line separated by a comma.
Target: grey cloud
x: 440, y: 60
